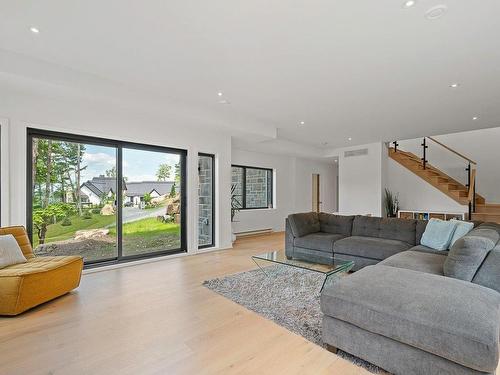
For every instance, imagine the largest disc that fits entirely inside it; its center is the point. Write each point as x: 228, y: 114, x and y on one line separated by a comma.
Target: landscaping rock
x: 173, y: 208
x: 107, y: 210
x: 90, y: 234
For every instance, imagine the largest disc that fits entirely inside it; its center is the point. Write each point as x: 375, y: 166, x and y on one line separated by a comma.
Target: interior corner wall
x: 293, y: 188
x: 23, y: 110
x: 361, y: 180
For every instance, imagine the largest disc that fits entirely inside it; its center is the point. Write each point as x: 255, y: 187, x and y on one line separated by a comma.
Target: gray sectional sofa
x: 322, y: 237
x: 418, y: 311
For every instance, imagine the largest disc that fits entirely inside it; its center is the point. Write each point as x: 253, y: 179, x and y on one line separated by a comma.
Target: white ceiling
x: 365, y: 69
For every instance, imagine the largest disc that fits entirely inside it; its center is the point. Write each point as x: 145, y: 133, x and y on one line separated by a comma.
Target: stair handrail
x: 452, y: 150
x: 471, y: 197
x: 471, y: 171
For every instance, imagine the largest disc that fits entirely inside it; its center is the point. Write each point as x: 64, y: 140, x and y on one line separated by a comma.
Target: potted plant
x: 391, y: 203
x: 235, y: 208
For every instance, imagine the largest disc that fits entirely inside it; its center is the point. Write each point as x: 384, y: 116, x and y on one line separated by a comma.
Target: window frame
x: 212, y: 156
x: 119, y: 146
x: 270, y: 202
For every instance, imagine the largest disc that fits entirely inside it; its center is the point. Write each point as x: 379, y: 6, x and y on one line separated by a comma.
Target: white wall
x: 415, y: 194
x: 4, y: 176
x: 293, y: 188
x: 361, y: 180
x: 109, y: 121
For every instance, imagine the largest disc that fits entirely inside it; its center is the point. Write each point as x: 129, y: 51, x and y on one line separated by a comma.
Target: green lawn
x: 57, y: 232
x: 148, y: 227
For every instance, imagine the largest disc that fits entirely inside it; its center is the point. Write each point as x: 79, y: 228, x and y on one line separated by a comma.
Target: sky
x: 138, y: 165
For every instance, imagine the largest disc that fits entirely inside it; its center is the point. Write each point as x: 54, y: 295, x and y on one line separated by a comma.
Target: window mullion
x: 119, y: 199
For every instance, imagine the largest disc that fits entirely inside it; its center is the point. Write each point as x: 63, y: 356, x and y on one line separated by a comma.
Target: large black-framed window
x: 252, y: 187
x: 206, y: 200
x: 108, y: 200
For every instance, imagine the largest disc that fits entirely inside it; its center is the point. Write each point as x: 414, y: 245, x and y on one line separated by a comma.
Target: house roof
x: 102, y: 185
x: 146, y: 187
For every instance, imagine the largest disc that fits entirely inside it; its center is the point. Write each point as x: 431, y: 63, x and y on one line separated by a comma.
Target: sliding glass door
x: 152, y: 207
x: 104, y: 200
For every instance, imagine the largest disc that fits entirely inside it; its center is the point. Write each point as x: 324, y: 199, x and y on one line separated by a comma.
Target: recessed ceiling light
x: 302, y: 123
x: 349, y: 139
x: 409, y: 4
x: 475, y: 118
x: 454, y: 85
x: 219, y: 93
x: 436, y: 12
x: 34, y: 30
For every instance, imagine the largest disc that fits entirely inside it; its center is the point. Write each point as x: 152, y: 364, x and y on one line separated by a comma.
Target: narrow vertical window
x: 206, y: 200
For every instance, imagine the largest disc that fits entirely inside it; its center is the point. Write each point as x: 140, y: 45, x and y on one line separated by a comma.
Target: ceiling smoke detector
x: 436, y: 12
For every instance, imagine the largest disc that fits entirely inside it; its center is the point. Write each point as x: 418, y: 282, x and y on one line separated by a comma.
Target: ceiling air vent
x: 350, y: 153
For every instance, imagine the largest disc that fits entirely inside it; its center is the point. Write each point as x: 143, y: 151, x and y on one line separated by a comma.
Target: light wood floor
x: 157, y: 318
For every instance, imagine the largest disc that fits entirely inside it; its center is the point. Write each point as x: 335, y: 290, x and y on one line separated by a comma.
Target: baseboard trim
x: 152, y: 260
x: 256, y: 232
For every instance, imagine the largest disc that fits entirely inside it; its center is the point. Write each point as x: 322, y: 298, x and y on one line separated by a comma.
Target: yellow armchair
x: 41, y: 279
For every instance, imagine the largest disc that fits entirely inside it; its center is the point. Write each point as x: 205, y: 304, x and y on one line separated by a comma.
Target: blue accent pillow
x: 438, y: 234
x: 462, y: 228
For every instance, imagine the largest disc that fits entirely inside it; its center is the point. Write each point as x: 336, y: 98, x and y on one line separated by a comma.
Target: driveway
x: 134, y: 213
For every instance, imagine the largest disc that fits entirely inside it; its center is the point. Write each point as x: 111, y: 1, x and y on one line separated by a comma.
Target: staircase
x: 478, y: 208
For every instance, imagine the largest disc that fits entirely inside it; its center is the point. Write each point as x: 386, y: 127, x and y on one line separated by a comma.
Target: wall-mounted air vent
x: 350, y: 153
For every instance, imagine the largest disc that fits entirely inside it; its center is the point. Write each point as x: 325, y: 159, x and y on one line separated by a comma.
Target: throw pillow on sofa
x: 10, y: 252
x: 438, y: 234
x: 462, y: 228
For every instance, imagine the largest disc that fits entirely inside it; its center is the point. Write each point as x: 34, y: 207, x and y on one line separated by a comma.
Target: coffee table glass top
x: 327, y: 269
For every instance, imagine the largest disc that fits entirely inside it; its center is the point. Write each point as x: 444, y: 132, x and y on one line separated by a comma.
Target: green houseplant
x: 391, y: 203
x: 235, y: 207
x: 235, y: 203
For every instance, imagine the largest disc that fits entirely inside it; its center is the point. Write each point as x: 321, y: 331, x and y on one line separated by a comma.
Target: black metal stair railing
x: 471, y: 170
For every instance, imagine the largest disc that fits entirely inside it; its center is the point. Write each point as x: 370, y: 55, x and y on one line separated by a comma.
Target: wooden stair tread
x: 441, y: 181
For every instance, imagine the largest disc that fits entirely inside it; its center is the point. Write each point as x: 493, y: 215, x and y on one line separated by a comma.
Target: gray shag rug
x: 287, y: 296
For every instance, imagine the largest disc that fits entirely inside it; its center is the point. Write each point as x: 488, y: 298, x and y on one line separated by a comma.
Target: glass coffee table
x: 279, y: 257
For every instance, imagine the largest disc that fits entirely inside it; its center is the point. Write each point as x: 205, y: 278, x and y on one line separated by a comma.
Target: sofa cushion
x: 417, y: 261
x: 336, y: 224
x: 438, y: 234
x: 425, y: 249
x: 467, y: 254
x: 369, y: 247
x: 419, y: 230
x: 457, y: 320
x: 366, y: 226
x: 398, y: 229
x: 488, y: 274
x: 318, y: 241
x: 390, y: 228
x: 304, y: 223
